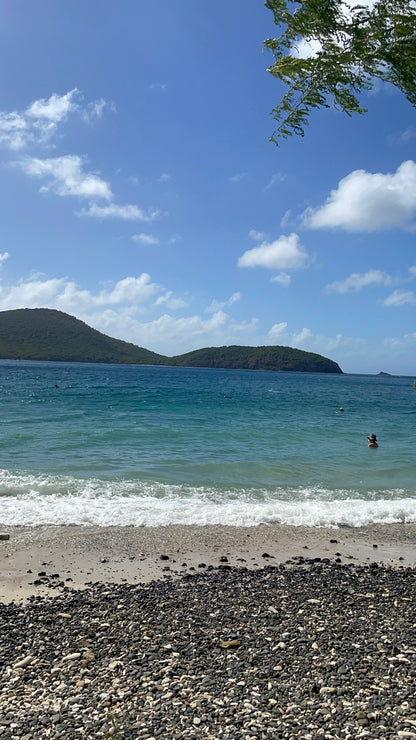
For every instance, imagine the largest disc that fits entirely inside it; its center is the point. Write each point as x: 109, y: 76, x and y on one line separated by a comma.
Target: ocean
x: 148, y: 446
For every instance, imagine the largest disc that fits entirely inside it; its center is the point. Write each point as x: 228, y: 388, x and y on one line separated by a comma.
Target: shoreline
x: 47, y: 560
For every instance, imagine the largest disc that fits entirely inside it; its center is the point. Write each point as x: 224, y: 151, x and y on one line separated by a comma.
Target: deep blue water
x: 155, y: 445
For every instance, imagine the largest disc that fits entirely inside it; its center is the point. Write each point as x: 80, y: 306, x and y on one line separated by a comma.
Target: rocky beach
x: 290, y: 634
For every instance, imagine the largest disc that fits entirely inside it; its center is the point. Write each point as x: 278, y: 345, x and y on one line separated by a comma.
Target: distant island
x: 50, y: 335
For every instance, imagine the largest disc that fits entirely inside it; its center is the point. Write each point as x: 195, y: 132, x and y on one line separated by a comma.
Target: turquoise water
x: 158, y: 445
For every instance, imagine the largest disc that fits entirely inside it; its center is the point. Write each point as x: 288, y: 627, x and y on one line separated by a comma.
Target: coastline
x: 47, y: 560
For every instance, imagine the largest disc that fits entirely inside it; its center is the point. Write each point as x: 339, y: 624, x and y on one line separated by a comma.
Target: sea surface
x: 138, y: 445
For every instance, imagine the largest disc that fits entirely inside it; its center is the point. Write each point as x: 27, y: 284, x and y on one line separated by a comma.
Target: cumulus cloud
x: 171, y: 301
x: 39, y: 122
x: 285, y: 253
x: 356, y: 281
x: 283, y: 279
x: 369, y: 202
x: 55, y: 108
x: 3, y: 258
x: 66, y: 295
x: 66, y: 176
x: 277, y: 331
x: 400, y: 298
x: 13, y: 131
x: 218, y: 305
x: 305, y: 339
x: 147, y: 239
x: 257, y: 236
x: 126, y: 213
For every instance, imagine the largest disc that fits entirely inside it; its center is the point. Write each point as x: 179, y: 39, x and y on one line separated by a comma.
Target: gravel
x: 311, y: 650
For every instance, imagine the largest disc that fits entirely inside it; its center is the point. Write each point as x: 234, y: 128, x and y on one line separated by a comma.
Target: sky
x: 139, y: 190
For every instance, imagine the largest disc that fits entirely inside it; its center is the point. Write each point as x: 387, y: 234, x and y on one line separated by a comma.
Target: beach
x: 44, y: 560
x: 208, y: 632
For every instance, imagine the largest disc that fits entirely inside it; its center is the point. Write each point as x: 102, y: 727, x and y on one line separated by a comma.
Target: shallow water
x: 157, y: 445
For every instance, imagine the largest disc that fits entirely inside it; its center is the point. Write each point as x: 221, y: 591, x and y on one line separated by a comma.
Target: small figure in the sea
x: 56, y: 385
x: 372, y: 440
x: 341, y: 409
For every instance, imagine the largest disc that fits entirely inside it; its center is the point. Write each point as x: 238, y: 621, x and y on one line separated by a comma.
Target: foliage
x: 354, y: 45
x: 46, y: 334
x: 258, y: 358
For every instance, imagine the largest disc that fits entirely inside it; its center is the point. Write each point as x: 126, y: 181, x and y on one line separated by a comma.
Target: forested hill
x: 258, y: 358
x: 47, y: 334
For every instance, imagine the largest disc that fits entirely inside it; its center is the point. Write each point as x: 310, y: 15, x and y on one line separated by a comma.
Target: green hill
x: 47, y: 334
x: 258, y: 358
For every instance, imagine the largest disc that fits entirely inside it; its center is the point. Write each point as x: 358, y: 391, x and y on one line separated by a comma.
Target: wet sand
x: 45, y: 560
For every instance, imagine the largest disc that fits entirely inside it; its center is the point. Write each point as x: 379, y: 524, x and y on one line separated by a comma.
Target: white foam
x: 46, y: 500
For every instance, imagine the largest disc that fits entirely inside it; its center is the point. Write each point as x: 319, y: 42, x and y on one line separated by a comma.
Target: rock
x: 24, y: 662
x: 231, y: 644
x: 71, y: 656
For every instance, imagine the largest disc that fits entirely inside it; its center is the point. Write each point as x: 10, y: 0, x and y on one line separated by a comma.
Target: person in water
x: 372, y: 440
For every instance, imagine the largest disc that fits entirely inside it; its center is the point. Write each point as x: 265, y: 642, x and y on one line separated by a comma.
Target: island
x: 49, y: 335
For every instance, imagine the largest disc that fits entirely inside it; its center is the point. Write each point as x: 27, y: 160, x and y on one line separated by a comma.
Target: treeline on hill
x: 258, y: 358
x: 47, y: 334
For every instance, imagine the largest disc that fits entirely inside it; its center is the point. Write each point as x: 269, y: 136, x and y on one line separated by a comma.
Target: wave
x: 33, y: 500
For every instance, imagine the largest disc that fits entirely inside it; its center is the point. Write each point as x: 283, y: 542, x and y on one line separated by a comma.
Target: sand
x: 75, y: 557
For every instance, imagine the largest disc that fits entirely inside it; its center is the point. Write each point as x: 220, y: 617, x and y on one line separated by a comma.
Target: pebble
x: 318, y: 650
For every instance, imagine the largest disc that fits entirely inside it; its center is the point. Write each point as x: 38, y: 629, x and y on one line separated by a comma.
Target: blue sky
x: 140, y: 193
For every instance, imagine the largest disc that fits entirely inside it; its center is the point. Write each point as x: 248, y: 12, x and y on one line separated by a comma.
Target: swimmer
x: 372, y: 440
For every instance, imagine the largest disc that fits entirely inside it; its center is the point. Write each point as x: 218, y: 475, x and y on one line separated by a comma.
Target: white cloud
x: 412, y: 270
x: 3, y: 258
x: 96, y: 109
x: 286, y: 218
x: 275, y: 179
x: 66, y: 295
x: 67, y: 176
x: 38, y: 123
x: 356, y: 281
x: 164, y: 177
x: 145, y: 238
x: 257, y: 236
x: 409, y: 133
x: 162, y: 86
x: 283, y: 279
x: 285, y: 253
x: 170, y: 301
x: 277, y: 330
x: 369, y: 202
x: 126, y: 213
x: 305, y: 339
x: 13, y: 131
x: 218, y: 305
x: 55, y: 108
x: 400, y: 298
x: 238, y: 177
